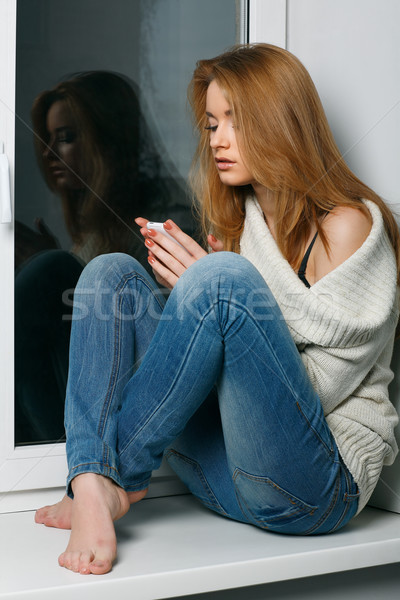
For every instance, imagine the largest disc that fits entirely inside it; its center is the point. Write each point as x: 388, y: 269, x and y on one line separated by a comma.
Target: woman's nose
x: 219, y: 138
x: 49, y: 152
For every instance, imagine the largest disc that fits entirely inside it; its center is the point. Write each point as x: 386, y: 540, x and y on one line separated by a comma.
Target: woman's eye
x: 66, y: 139
x: 212, y: 128
x: 66, y: 136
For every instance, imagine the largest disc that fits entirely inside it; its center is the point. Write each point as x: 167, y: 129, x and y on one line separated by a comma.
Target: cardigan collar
x: 343, y: 308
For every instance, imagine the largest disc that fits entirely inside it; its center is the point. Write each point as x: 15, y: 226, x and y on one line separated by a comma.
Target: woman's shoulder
x: 346, y: 229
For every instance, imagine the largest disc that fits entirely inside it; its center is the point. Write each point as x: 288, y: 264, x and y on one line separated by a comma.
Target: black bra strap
x: 302, y: 270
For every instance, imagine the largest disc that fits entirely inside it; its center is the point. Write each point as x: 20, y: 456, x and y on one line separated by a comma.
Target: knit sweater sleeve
x: 343, y: 327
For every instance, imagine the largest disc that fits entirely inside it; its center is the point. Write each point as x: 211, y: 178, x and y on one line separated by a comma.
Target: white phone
x: 160, y: 227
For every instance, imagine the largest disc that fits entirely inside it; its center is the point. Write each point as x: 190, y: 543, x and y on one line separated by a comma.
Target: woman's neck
x: 267, y: 201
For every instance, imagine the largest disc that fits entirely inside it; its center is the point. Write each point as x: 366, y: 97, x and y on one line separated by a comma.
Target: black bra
x: 302, y: 270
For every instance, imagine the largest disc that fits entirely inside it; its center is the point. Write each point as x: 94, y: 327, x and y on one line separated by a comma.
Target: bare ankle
x: 87, y: 486
x: 85, y: 479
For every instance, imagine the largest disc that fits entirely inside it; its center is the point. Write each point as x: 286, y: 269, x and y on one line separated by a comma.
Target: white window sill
x: 172, y: 546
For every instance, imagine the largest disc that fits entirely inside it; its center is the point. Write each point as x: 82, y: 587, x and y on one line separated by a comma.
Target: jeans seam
x: 143, y: 485
x: 347, y: 505
x: 115, y: 366
x: 213, y: 501
x: 328, y: 511
x: 329, y: 450
x: 94, y: 462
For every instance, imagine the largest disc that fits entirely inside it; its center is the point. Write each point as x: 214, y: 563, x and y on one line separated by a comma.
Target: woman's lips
x: 224, y: 163
x: 57, y: 170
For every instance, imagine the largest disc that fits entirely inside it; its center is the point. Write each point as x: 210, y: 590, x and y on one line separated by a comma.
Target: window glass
x: 103, y: 134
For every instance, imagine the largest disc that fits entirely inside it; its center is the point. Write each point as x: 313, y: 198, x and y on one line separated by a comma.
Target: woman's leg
x: 272, y: 461
x: 116, y: 311
x: 220, y: 325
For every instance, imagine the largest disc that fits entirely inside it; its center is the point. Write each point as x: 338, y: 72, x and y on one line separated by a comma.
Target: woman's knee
x: 226, y: 265
x: 223, y: 275
x: 110, y: 268
x: 58, y: 268
x: 222, y: 286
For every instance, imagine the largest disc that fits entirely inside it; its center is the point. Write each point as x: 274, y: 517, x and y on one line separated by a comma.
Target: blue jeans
x: 213, y: 380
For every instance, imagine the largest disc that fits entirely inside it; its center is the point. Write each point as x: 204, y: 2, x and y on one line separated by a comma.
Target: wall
x: 352, y: 50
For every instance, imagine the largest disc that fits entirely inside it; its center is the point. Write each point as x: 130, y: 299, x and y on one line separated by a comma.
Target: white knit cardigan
x: 343, y: 327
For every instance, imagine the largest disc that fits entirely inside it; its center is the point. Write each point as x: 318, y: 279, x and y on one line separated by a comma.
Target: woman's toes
x: 40, y: 514
x: 61, y: 560
x: 84, y: 562
x: 45, y: 517
x: 56, y: 515
x: 99, y: 567
x: 84, y: 570
x: 66, y: 561
x: 75, y: 562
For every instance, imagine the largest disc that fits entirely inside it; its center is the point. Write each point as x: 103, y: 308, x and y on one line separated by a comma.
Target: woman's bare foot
x: 97, y: 502
x: 57, y: 515
x: 134, y: 497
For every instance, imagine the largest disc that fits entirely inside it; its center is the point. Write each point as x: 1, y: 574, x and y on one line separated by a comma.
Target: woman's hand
x: 168, y: 260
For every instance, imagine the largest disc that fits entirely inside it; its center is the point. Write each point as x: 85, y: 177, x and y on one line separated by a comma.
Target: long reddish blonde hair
x: 286, y: 143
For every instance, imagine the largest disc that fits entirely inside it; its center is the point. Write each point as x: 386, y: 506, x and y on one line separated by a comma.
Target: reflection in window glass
x: 103, y: 135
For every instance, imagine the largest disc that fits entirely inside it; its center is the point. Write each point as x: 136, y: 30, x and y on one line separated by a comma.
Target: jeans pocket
x: 268, y: 505
x: 191, y: 473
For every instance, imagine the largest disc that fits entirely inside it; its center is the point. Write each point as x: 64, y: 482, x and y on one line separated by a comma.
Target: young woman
x: 263, y: 379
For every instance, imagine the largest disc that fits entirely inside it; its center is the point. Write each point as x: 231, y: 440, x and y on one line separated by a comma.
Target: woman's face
x: 62, y: 154
x: 223, y: 141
